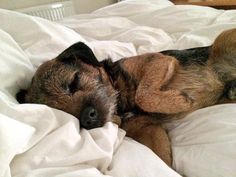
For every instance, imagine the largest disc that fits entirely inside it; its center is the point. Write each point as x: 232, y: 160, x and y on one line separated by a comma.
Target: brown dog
x: 153, y: 86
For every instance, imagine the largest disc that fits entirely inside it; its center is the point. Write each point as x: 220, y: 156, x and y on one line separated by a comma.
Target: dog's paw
x: 167, y: 102
x: 230, y: 90
x: 183, y: 101
x: 232, y: 94
x: 175, y: 101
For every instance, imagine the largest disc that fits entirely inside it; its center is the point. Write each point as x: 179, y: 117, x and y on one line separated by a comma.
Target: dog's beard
x: 104, y: 100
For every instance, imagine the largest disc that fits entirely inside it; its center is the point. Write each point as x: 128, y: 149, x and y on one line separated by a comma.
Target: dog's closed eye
x: 74, y: 85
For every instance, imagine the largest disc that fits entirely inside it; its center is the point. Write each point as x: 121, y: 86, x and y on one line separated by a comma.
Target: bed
x: 38, y: 141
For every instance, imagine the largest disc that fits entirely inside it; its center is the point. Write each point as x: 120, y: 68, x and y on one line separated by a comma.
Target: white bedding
x: 37, y: 141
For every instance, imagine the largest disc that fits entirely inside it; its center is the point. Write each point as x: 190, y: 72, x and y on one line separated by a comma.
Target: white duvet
x: 37, y: 141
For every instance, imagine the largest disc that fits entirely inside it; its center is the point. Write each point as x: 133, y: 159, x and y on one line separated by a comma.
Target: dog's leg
x: 149, y: 95
x: 146, y: 131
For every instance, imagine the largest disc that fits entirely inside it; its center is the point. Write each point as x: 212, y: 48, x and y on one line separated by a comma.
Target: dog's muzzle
x: 89, y: 118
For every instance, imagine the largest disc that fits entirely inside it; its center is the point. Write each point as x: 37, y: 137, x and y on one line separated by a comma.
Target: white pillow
x: 39, y: 38
x: 16, y: 69
x: 204, y: 143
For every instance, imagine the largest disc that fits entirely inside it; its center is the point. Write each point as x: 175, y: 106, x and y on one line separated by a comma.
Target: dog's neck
x: 123, y: 83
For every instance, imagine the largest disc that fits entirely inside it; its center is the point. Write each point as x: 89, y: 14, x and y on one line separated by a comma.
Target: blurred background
x: 80, y: 6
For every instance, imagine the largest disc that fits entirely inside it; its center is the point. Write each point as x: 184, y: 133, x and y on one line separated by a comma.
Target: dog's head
x: 76, y: 83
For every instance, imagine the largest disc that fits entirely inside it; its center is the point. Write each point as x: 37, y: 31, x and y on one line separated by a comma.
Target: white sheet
x: 40, y: 141
x: 204, y: 142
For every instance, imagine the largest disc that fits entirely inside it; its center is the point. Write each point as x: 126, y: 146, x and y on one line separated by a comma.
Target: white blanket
x: 38, y: 141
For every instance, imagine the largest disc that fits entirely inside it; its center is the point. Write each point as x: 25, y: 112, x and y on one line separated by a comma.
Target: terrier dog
x: 154, y: 87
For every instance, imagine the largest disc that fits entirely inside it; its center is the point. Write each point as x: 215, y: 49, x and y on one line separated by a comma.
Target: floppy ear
x: 20, y: 96
x: 79, y: 51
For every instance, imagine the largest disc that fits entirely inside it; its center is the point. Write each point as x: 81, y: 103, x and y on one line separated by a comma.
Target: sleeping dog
x: 144, y: 90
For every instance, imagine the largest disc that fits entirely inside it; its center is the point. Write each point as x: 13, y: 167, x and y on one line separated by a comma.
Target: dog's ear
x: 20, y: 96
x: 79, y: 51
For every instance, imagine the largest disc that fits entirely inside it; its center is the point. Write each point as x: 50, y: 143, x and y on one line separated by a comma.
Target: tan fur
x: 146, y: 131
x: 166, y: 87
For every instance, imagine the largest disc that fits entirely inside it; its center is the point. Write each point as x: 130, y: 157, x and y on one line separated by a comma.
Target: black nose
x: 89, y: 118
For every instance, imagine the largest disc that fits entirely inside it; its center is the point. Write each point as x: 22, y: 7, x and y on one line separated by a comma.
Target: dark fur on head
x: 79, y: 51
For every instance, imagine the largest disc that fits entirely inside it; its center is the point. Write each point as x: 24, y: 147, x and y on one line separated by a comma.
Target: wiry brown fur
x: 153, y: 87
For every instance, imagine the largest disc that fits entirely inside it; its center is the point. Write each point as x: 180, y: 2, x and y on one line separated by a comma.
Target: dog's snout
x: 92, y: 113
x: 89, y: 118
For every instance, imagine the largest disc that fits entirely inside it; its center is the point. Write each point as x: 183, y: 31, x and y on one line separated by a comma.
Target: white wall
x: 85, y: 6
x: 81, y: 6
